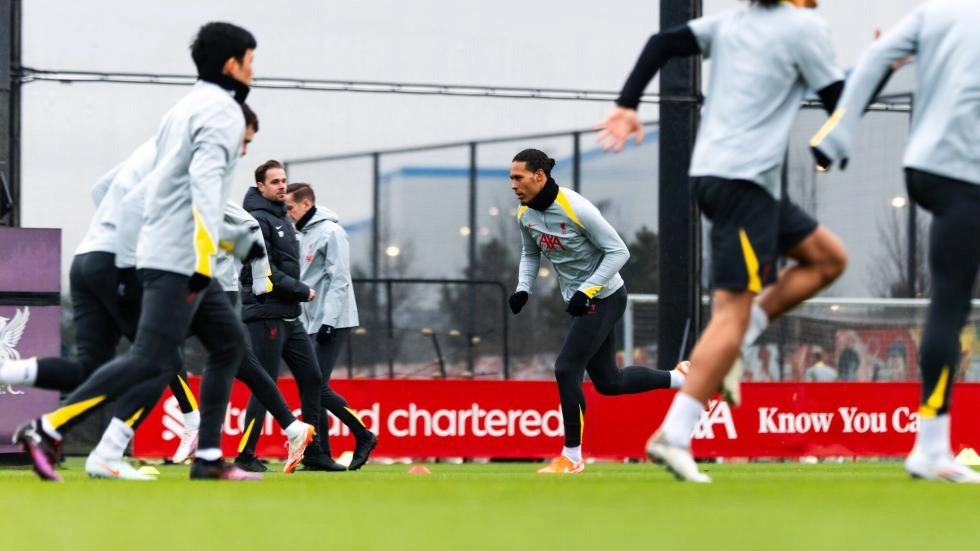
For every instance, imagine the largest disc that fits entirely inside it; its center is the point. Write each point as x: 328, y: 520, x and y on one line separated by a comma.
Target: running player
x: 765, y: 57
x: 587, y: 254
x: 197, y: 148
x: 942, y: 175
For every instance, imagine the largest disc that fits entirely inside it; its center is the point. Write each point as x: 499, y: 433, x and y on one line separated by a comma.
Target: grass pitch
x: 861, y: 506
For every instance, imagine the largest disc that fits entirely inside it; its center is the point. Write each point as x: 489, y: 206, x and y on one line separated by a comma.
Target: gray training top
x: 944, y: 138
x: 763, y: 61
x: 584, y: 249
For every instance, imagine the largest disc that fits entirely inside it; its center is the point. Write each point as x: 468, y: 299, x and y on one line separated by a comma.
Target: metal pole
x: 679, y: 224
x: 506, y: 329
x: 390, y: 331
x: 577, y: 162
x: 911, y: 256
x: 472, y: 270
x: 628, y: 329
x: 373, y: 325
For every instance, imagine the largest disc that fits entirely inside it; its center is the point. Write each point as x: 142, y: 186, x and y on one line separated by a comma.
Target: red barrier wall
x: 521, y: 419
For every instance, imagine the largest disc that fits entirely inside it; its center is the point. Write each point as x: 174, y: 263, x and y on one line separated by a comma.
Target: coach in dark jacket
x: 273, y: 322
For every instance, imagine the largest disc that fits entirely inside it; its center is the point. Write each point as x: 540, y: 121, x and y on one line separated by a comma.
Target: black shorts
x: 750, y: 229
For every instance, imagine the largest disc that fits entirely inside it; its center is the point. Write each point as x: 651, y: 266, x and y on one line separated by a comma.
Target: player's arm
x: 284, y: 286
x: 623, y: 121
x: 240, y: 234
x: 337, y: 255
x: 101, y: 188
x: 833, y: 141
x: 527, y: 272
x: 213, y: 145
x: 614, y: 251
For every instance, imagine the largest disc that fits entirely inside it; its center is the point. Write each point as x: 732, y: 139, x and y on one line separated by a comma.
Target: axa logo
x: 11, y: 330
x: 718, y: 415
x: 552, y: 242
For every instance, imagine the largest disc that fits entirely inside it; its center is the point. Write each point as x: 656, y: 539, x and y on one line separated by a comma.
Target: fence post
x: 472, y: 271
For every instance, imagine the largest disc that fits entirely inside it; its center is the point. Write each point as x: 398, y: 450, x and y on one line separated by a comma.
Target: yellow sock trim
x: 937, y: 399
x: 188, y: 393
x: 356, y: 416
x: 62, y: 415
x: 132, y: 420
x: 248, y: 431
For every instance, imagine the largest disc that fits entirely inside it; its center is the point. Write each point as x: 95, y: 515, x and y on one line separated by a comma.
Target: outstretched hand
x: 617, y: 127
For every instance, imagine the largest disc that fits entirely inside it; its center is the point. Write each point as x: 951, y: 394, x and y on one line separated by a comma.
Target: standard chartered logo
x: 475, y: 421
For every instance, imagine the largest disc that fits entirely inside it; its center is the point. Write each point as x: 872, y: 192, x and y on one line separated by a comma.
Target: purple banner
x: 26, y: 331
x: 30, y: 260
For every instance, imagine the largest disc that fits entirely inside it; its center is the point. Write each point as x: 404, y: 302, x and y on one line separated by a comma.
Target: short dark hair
x: 264, y: 167
x: 215, y: 43
x: 767, y: 3
x: 251, y: 119
x: 535, y: 159
x: 301, y: 191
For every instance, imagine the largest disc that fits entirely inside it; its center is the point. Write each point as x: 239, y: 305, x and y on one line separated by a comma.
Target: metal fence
x: 446, y: 211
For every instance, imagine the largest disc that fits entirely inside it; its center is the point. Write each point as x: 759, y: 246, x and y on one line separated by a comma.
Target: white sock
x: 48, y: 428
x: 575, y: 454
x: 676, y: 378
x: 18, y: 372
x: 210, y: 454
x: 758, y: 322
x: 933, y: 437
x: 681, y: 419
x: 115, y: 440
x: 295, y: 429
x: 192, y: 421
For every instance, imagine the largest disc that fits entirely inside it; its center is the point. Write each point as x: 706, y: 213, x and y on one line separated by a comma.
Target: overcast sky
x: 74, y: 133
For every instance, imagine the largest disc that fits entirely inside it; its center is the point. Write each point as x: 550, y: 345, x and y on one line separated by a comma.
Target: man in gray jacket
x: 197, y: 148
x: 325, y: 267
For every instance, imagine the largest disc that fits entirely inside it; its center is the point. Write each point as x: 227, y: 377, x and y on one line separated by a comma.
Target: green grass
x: 471, y: 507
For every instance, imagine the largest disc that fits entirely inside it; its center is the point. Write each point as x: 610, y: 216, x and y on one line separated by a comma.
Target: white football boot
x: 677, y: 460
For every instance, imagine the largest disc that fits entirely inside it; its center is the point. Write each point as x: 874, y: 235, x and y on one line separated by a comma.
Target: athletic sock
x: 49, y: 429
x: 758, y: 322
x: 681, y: 419
x: 210, y: 454
x: 574, y: 453
x: 192, y: 420
x: 114, y: 440
x: 677, y: 378
x: 295, y: 429
x: 18, y: 372
x: 933, y: 437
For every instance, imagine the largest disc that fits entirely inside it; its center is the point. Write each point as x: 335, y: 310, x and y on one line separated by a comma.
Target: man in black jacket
x: 273, y: 320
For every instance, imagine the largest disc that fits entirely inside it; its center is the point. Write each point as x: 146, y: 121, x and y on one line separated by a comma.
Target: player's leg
x: 819, y: 259
x: 606, y: 376
x: 954, y: 259
x: 166, y: 314
x: 585, y: 336
x: 267, y: 338
x: 93, y: 292
x: 743, y: 253
x: 301, y: 360
x: 218, y: 327
x: 326, y: 356
x: 190, y: 413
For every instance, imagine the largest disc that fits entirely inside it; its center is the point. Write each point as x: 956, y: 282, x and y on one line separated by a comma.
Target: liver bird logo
x: 11, y: 330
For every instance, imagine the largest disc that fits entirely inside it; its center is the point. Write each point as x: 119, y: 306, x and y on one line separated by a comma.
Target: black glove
x: 580, y: 304
x: 823, y: 161
x: 256, y: 252
x: 517, y: 301
x: 325, y: 334
x: 198, y: 282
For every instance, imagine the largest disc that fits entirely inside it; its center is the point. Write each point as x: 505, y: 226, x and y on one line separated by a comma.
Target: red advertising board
x: 521, y: 419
